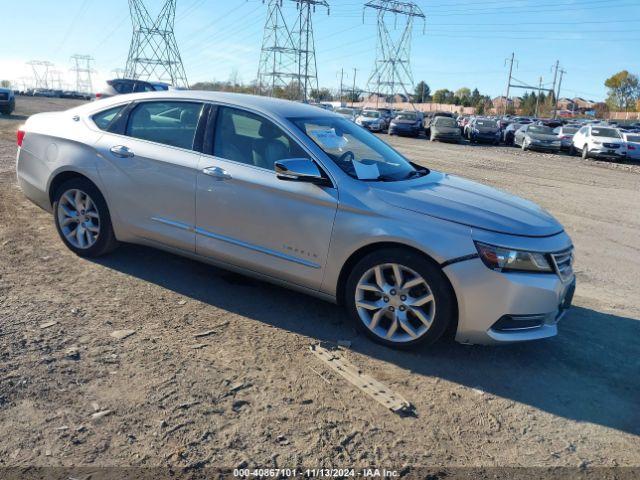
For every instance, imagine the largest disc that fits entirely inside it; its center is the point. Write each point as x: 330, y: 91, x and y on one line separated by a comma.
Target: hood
x: 469, y: 203
x: 543, y: 136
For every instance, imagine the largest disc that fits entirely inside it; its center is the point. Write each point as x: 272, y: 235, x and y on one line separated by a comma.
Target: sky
x: 463, y: 43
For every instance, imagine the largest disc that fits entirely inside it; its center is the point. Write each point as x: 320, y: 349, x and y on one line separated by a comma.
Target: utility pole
x: 506, y: 101
x: 557, y: 99
x: 341, y: 83
x: 538, y: 96
x: 353, y: 92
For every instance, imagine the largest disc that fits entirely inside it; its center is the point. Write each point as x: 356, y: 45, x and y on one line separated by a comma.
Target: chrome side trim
x: 256, y: 248
x: 233, y: 241
x: 171, y: 223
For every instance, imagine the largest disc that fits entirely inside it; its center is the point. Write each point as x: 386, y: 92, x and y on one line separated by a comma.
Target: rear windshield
x: 633, y: 138
x: 605, y: 132
x: 540, y: 129
x: 445, y: 122
x: 569, y: 129
x: 486, y: 123
x: 407, y: 116
x: 371, y: 114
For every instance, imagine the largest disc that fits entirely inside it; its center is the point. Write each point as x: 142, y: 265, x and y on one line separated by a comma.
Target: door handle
x: 217, y: 172
x: 121, y: 151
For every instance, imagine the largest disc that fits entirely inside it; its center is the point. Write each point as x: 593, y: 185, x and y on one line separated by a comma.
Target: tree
x: 321, y: 95
x: 624, y: 90
x: 5, y: 84
x: 440, y: 96
x: 422, y: 92
x: 463, y: 93
x: 602, y: 110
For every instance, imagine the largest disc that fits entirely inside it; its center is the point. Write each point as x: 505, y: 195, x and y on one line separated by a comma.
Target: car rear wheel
x: 524, y: 145
x: 82, y: 218
x: 399, y: 298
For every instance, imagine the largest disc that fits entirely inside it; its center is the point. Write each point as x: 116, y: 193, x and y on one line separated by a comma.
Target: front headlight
x: 596, y: 142
x: 505, y: 259
x: 392, y: 124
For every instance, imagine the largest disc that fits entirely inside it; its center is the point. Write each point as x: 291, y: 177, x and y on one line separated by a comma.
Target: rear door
x: 150, y: 167
x: 248, y: 217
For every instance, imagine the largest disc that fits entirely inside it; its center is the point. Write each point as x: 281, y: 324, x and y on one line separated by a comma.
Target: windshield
x: 407, y: 116
x: 370, y: 114
x: 345, y: 111
x: 357, y: 152
x: 540, y: 129
x: 605, y: 132
x: 486, y: 123
x: 445, y: 122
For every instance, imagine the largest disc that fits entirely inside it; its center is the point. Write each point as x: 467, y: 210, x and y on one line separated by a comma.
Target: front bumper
x: 372, y: 127
x: 485, y: 137
x: 447, y: 137
x: 485, y: 297
x: 545, y: 147
x: 401, y: 130
x: 608, y: 154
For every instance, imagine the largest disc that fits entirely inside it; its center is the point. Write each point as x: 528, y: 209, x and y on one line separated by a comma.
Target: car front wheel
x: 585, y: 152
x: 399, y: 298
x: 82, y: 218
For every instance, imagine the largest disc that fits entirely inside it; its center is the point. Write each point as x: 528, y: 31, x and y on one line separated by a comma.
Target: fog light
x: 509, y: 323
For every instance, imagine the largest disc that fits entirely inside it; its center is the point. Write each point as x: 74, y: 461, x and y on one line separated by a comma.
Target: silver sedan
x: 302, y: 197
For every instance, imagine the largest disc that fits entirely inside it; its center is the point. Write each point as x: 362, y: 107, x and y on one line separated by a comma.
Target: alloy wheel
x: 395, y: 303
x: 78, y: 218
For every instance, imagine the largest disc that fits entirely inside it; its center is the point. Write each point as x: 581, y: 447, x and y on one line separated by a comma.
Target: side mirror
x: 299, y: 170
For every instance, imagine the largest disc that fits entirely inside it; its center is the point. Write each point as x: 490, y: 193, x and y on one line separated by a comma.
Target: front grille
x: 563, y: 263
x: 611, y: 145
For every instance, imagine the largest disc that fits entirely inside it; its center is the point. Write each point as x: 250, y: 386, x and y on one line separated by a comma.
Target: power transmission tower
x: 288, y: 56
x: 40, y: 73
x: 279, y: 56
x: 82, y: 69
x: 154, y: 53
x: 392, y: 70
x: 118, y: 72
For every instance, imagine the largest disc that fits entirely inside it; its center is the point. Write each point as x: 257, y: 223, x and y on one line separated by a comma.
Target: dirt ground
x: 251, y: 394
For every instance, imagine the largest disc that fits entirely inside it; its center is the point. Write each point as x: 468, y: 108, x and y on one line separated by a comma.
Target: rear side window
x: 106, y: 118
x: 169, y: 123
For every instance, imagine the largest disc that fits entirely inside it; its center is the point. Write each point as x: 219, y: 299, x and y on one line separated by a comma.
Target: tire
x: 440, y: 310
x: 585, y: 152
x: 572, y: 150
x: 104, y: 240
x: 427, y: 132
x: 524, y: 145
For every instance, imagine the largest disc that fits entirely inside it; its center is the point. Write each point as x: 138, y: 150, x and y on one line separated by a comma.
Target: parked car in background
x: 537, y: 137
x: 406, y: 123
x: 121, y: 86
x: 348, y: 113
x: 565, y: 133
x: 602, y: 142
x: 387, y: 114
x: 430, y: 116
x: 445, y: 129
x: 7, y: 101
x: 508, y: 133
x: 410, y: 252
x: 483, y: 130
x: 372, y: 120
x: 632, y: 141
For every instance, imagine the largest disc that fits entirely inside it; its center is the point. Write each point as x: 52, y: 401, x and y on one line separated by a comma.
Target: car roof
x: 267, y: 105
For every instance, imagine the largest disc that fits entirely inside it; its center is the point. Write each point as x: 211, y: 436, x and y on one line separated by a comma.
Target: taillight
x: 631, y: 147
x: 98, y: 95
x: 20, y: 137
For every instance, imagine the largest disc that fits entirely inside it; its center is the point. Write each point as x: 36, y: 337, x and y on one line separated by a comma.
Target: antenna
x: 154, y: 53
x: 392, y: 68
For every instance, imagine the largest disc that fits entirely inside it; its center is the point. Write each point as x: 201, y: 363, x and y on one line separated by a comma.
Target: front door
x: 246, y: 216
x: 150, y: 172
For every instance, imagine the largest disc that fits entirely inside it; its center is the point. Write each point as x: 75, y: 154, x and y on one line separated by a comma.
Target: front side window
x: 169, y: 123
x: 248, y: 138
x: 357, y: 152
x: 106, y: 118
